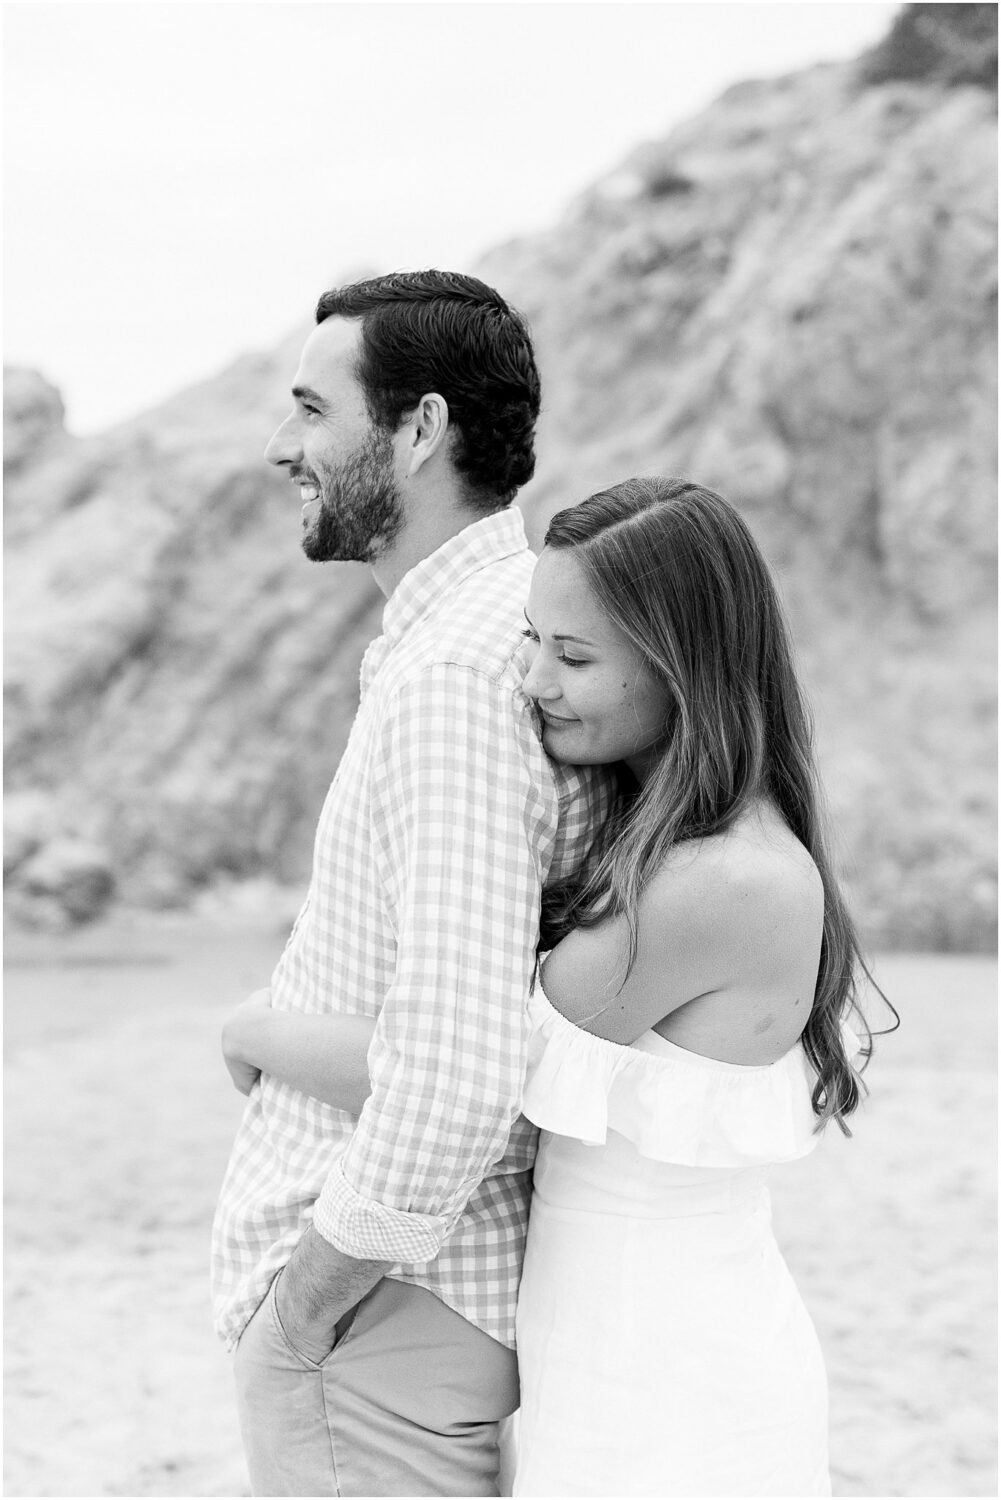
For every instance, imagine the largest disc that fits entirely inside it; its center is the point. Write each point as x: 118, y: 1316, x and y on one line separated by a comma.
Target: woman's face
x: 599, y: 701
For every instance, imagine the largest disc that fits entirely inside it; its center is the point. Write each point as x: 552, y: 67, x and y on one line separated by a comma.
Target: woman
x: 689, y: 1027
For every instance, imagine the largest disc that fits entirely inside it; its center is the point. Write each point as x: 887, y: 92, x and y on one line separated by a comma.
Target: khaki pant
x: 407, y: 1403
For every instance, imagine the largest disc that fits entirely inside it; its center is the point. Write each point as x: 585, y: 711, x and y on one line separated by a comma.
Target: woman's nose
x: 537, y: 683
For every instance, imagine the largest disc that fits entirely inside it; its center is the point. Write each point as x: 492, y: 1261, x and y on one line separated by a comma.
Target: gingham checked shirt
x: 442, y: 824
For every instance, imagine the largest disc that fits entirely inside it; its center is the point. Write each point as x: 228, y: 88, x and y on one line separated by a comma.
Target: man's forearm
x: 318, y: 1286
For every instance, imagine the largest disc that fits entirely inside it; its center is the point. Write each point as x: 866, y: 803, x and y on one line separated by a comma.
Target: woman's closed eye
x: 570, y: 661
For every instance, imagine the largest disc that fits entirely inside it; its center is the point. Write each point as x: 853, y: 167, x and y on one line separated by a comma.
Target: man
x: 366, y: 1269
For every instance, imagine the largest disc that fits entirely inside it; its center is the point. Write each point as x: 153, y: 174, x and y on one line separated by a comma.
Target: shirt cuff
x: 370, y: 1231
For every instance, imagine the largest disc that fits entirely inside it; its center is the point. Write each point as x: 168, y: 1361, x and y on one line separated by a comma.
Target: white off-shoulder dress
x: 663, y: 1346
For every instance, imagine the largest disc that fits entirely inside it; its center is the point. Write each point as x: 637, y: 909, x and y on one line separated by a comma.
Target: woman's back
x: 729, y: 931
x: 664, y: 1348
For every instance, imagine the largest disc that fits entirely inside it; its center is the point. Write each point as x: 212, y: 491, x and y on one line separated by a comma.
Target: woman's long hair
x: 677, y: 570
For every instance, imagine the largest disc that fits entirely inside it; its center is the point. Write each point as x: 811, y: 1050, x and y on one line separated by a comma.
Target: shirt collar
x: 485, y: 541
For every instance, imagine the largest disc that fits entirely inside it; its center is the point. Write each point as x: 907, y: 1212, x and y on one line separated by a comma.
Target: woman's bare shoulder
x: 756, y: 865
x: 720, y: 912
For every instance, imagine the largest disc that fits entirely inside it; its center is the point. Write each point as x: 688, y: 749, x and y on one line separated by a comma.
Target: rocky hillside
x: 791, y: 298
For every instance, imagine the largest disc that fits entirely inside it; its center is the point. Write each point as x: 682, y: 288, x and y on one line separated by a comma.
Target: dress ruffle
x: 672, y: 1104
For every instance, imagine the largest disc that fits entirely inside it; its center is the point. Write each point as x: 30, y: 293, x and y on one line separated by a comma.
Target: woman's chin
x: 551, y: 745
x: 558, y: 746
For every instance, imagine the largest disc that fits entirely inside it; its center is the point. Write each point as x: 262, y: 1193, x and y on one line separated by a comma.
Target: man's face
x: 343, y: 464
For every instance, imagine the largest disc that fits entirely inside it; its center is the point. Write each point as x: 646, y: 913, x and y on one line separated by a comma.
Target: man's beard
x: 360, y: 508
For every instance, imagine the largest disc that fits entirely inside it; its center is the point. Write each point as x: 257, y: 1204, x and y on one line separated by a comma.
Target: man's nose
x: 284, y: 447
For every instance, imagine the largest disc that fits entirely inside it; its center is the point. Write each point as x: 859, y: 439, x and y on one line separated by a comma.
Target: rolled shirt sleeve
x: 464, y: 825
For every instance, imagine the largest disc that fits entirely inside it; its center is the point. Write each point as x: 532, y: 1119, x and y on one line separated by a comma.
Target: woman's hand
x: 237, y: 1040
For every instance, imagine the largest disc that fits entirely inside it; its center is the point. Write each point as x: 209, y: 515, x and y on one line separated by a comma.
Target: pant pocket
x: 341, y: 1328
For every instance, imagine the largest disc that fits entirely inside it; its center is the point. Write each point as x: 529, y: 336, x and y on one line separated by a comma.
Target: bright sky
x: 183, y: 179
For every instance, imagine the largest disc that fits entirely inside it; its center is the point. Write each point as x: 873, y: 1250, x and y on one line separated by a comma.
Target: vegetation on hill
x: 791, y: 298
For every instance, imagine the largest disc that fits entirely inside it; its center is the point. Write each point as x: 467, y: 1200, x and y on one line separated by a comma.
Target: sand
x: 119, y: 1117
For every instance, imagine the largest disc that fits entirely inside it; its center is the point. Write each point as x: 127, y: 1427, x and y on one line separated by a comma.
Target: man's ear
x: 427, y: 429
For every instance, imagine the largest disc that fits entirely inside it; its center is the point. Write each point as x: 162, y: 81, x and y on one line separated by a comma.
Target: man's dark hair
x: 441, y: 331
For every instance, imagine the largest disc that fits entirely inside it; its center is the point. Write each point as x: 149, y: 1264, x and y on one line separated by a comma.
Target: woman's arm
x: 728, y: 942
x: 325, y: 1056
